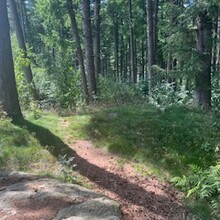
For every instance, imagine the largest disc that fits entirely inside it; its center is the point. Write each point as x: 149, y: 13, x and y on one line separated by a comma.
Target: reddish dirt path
x: 140, y: 198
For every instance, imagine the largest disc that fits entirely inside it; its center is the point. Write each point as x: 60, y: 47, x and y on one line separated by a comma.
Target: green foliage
x: 216, y: 96
x: 165, y: 94
x: 24, y: 89
x: 203, y: 185
x: 60, y: 86
x: 111, y: 92
x: 67, y: 169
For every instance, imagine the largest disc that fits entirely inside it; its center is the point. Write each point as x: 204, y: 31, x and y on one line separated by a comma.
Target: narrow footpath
x: 140, y: 198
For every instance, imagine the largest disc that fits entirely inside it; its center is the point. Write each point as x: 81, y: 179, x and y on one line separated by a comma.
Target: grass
x: 21, y: 148
x: 165, y: 141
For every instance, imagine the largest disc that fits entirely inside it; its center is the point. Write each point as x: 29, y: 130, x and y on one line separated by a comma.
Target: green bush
x: 165, y: 94
x: 112, y: 92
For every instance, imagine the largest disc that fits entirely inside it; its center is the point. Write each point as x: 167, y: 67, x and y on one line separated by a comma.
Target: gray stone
x: 82, y: 204
x: 97, y: 208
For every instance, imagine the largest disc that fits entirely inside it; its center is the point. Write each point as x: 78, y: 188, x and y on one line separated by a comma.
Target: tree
x: 21, y: 43
x: 204, y: 50
x: 74, y: 26
x: 97, y: 7
x: 132, y: 44
x: 8, y: 94
x: 90, y: 68
x: 151, y: 44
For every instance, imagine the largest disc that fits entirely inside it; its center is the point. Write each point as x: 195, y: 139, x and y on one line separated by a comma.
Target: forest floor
x: 129, y: 154
x: 139, y: 198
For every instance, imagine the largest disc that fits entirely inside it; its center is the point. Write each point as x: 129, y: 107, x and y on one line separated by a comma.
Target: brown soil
x: 140, y: 198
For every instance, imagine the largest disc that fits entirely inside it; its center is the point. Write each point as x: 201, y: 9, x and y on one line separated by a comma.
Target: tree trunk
x: 74, y: 26
x: 97, y: 37
x: 22, y: 46
x: 204, y: 49
x: 116, y: 47
x: 142, y: 59
x: 132, y: 45
x: 151, y: 55
x: 90, y: 69
x: 215, y: 44
x: 122, y: 58
x: 155, y: 32
x: 8, y: 94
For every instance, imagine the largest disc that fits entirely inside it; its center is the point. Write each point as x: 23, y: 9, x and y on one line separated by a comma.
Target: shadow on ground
x: 157, y: 204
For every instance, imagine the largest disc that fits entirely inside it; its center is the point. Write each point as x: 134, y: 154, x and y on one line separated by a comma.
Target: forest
x: 138, y: 80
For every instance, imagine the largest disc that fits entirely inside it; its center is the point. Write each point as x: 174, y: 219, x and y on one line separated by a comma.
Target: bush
x: 164, y: 95
x: 111, y: 92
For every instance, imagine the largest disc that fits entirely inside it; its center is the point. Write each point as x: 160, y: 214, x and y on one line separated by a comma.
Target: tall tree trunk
x: 116, y: 47
x: 75, y: 31
x: 8, y: 94
x: 204, y: 49
x: 22, y: 46
x: 126, y: 62
x: 215, y: 44
x: 155, y: 32
x: 218, y: 46
x: 132, y: 44
x: 22, y: 15
x: 142, y: 59
x: 97, y: 22
x: 122, y: 58
x: 150, y: 35
x: 89, y: 48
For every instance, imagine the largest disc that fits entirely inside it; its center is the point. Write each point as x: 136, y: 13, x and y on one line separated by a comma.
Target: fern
x: 203, y: 185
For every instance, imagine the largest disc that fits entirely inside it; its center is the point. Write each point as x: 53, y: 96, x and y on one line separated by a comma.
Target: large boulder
x: 29, y: 197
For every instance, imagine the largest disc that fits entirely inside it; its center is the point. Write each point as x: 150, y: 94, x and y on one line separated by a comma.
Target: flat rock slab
x: 28, y: 197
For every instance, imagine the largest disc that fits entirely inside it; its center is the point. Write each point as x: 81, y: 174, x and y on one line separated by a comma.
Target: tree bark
x: 75, y: 31
x: 215, y: 45
x: 142, y: 60
x: 155, y: 32
x: 90, y: 69
x: 97, y: 23
x: 21, y: 43
x: 8, y: 95
x: 151, y: 55
x: 132, y: 45
x: 204, y: 50
x: 116, y: 47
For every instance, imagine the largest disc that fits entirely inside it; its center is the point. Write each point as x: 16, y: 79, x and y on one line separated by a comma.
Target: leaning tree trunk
x: 8, y: 93
x: 22, y: 46
x: 90, y: 68
x: 204, y: 49
x: 72, y: 15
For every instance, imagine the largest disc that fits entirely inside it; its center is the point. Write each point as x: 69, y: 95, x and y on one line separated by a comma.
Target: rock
x: 97, y: 208
x: 28, y: 197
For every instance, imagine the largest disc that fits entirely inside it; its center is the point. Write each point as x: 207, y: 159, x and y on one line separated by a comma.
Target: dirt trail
x: 140, y: 198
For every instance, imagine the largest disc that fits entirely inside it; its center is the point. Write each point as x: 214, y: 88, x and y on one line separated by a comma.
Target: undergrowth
x: 167, y: 142
x: 169, y: 139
